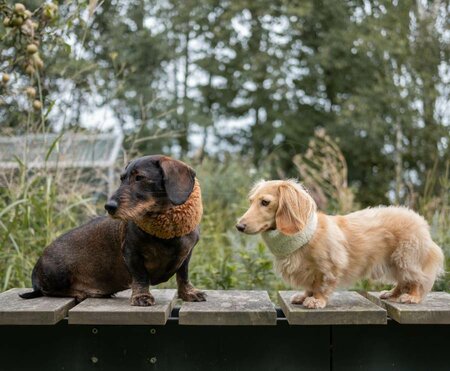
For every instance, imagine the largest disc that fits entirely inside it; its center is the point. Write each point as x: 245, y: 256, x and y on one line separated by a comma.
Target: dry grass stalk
x: 324, y: 172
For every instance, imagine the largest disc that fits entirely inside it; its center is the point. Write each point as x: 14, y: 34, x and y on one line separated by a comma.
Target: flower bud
x: 19, y: 8
x: 5, y: 78
x: 37, y: 105
x: 32, y: 48
x: 31, y: 92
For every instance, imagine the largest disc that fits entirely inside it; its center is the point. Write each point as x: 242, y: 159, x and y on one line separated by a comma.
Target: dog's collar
x: 282, y: 245
x: 177, y: 221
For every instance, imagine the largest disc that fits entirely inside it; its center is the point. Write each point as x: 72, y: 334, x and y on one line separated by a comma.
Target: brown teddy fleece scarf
x: 177, y: 221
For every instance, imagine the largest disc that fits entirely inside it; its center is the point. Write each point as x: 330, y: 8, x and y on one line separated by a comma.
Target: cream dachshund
x: 320, y: 252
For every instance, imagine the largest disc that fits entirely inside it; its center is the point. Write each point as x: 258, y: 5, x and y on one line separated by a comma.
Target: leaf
x: 52, y: 147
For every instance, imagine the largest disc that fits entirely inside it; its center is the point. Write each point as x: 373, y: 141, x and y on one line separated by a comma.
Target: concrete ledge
x: 344, y: 308
x: 232, y: 307
x: 119, y: 311
x: 435, y: 309
x: 39, y: 311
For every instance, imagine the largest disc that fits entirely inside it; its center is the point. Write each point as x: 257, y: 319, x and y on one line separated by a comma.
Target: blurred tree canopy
x: 373, y: 74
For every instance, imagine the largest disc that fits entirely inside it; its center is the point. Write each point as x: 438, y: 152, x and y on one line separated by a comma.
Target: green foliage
x: 436, y: 209
x: 33, y: 212
x: 37, y: 56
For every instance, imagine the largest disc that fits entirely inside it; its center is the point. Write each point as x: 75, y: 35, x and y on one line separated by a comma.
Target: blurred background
x: 350, y: 97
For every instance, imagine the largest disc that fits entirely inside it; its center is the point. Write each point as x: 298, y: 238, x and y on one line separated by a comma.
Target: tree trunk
x: 398, y: 159
x: 183, y: 141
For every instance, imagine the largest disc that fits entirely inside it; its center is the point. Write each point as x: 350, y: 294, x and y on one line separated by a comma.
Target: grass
x: 36, y: 206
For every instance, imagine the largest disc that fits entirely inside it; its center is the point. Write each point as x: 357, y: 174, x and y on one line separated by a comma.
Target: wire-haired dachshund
x: 153, y: 228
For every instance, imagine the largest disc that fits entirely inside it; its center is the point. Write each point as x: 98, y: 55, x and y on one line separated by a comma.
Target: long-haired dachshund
x: 153, y: 228
x: 320, y: 252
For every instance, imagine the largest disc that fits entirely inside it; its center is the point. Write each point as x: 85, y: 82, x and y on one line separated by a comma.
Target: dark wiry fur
x: 108, y: 255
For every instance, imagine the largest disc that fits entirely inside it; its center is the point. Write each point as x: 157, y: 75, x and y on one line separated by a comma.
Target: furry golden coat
x: 389, y: 244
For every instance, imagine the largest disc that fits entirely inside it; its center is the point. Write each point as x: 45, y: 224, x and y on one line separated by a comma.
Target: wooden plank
x: 434, y: 309
x: 39, y: 311
x: 232, y: 307
x: 119, y: 311
x: 343, y: 308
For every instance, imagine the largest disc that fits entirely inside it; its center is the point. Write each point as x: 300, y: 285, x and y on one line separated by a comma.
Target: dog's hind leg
x: 408, y: 272
x: 413, y: 294
x: 422, y: 279
x: 51, y: 277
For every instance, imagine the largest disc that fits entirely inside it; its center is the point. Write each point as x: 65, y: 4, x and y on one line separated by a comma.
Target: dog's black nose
x: 111, y: 206
x: 241, y: 227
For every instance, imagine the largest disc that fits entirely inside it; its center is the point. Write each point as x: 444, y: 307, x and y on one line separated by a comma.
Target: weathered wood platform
x: 109, y: 334
x: 118, y: 311
x: 233, y: 307
x: 40, y: 311
x: 435, y: 309
x: 344, y: 308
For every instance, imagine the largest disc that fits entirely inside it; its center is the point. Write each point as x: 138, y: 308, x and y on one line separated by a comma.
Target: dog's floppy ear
x: 178, y: 178
x: 294, y: 209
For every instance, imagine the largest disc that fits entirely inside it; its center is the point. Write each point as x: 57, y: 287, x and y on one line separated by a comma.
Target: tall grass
x: 36, y: 206
x: 435, y: 207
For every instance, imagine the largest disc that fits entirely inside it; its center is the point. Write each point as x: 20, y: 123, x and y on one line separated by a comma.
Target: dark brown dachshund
x: 150, y: 237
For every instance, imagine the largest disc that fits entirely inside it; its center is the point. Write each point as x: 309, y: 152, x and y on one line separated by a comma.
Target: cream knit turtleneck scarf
x: 282, y: 245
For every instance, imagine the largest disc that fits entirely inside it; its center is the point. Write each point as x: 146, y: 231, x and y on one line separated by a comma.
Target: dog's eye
x: 265, y: 202
x: 138, y: 178
x: 122, y: 177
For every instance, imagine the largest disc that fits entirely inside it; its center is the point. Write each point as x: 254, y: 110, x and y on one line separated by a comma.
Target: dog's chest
x: 162, y: 260
x: 298, y: 269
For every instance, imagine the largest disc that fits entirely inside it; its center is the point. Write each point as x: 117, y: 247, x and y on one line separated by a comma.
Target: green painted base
x: 175, y: 347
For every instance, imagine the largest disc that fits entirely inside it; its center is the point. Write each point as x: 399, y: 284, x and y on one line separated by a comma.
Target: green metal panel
x: 247, y: 348
x: 392, y: 347
x: 169, y: 347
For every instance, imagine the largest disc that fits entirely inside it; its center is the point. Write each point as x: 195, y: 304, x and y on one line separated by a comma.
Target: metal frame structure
x: 175, y: 347
x: 62, y: 151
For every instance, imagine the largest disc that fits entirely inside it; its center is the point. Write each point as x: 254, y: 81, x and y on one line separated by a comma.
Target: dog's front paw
x: 192, y: 295
x: 313, y: 303
x: 142, y: 300
x: 298, y: 298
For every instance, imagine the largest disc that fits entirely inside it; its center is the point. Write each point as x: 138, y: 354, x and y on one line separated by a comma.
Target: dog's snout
x: 111, y: 206
x: 241, y: 227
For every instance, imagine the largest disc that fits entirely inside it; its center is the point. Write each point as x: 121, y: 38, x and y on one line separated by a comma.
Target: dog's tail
x: 37, y: 292
x: 434, y: 267
x: 32, y: 294
x: 439, y: 259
